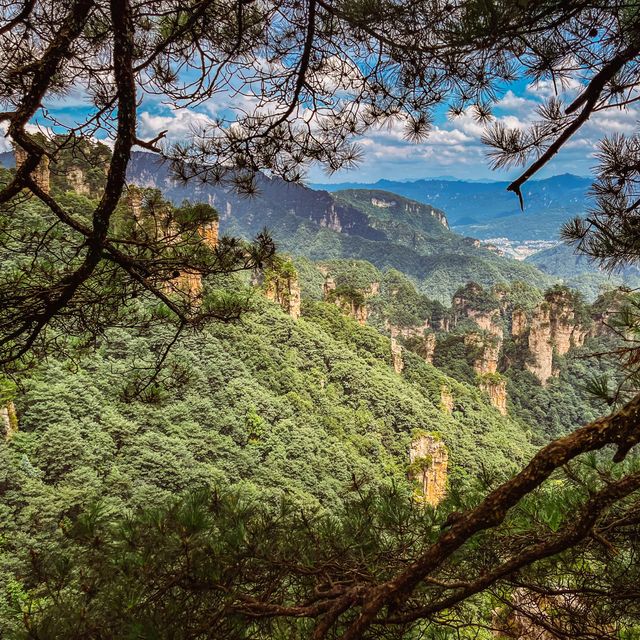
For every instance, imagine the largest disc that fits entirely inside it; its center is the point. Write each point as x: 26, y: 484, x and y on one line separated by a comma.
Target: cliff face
x: 351, y: 301
x: 8, y: 420
x: 553, y: 329
x: 419, y: 339
x: 78, y: 181
x: 396, y: 356
x: 209, y: 233
x: 487, y: 349
x: 330, y: 219
x: 519, y: 323
x: 285, y: 290
x: 428, y: 463
x: 41, y: 175
x: 540, y: 344
x: 496, y: 389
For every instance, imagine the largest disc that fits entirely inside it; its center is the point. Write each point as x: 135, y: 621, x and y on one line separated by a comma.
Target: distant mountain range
x: 579, y: 272
x: 488, y: 210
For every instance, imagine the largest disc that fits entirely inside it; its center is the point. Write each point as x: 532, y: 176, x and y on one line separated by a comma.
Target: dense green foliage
x: 269, y: 406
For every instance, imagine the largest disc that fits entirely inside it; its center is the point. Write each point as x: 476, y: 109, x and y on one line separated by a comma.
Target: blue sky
x: 452, y: 149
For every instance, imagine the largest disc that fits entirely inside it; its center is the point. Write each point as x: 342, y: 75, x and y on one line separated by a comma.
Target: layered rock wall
x: 428, y: 463
x: 285, y: 290
x: 553, y: 329
x: 496, y: 389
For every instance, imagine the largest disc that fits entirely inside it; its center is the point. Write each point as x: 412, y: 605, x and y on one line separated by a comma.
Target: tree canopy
x: 307, y: 77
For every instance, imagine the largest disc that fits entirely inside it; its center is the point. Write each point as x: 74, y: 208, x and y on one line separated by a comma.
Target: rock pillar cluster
x: 553, y: 328
x: 352, y: 302
x: 285, y: 290
x: 190, y: 283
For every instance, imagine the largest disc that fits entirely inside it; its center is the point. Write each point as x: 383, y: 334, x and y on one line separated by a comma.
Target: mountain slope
x: 488, y: 210
x: 274, y: 403
x: 578, y: 272
x: 385, y: 229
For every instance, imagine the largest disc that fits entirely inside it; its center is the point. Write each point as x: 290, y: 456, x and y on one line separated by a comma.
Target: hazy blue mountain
x: 579, y: 272
x: 488, y: 210
x: 7, y: 160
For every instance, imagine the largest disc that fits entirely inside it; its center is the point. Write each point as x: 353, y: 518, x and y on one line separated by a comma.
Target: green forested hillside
x: 269, y: 405
x: 548, y: 411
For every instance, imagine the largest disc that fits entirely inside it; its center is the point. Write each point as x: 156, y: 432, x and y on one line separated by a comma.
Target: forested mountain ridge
x: 314, y: 224
x: 384, y: 228
x: 488, y: 210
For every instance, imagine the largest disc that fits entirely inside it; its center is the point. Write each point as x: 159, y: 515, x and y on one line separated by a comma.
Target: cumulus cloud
x: 453, y: 147
x: 180, y: 124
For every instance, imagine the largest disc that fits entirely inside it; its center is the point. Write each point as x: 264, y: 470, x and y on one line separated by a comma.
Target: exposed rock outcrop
x: 8, y: 420
x: 209, y: 232
x: 351, y: 301
x: 428, y: 462
x: 519, y: 323
x: 540, y: 344
x: 446, y: 399
x: 331, y: 219
x: 426, y: 346
x: 496, y: 388
x: 553, y: 328
x: 396, y: 356
x: 133, y: 199
x: 352, y: 306
x: 77, y: 181
x: 487, y: 350
x: 417, y: 331
x: 41, y: 174
x: 328, y: 286
x: 383, y: 204
x: 468, y: 304
x: 190, y: 283
x: 285, y: 290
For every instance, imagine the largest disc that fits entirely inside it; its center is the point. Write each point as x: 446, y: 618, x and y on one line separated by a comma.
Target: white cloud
x: 180, y: 125
x: 565, y: 87
x: 5, y: 143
